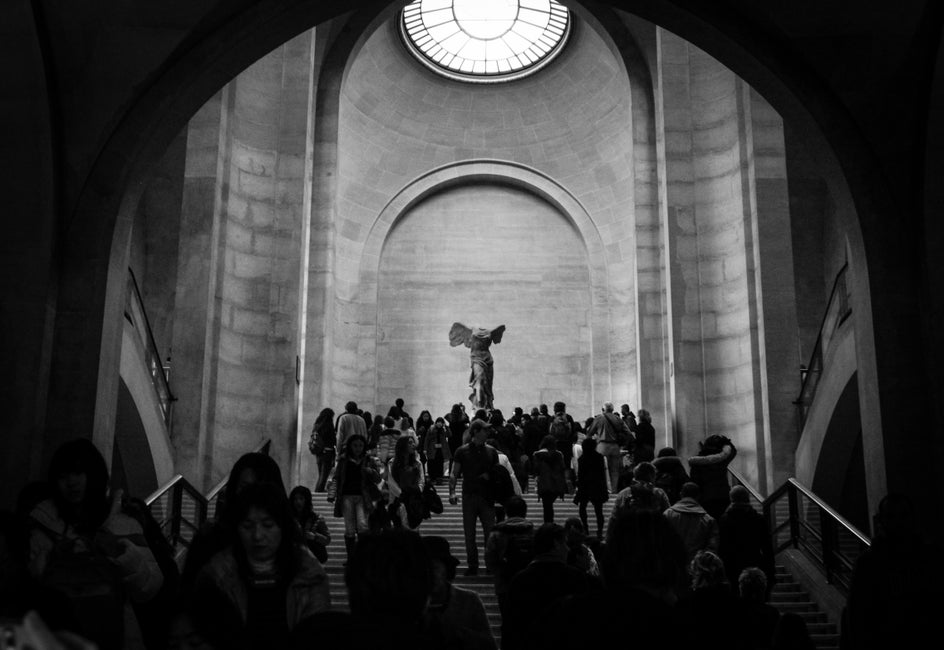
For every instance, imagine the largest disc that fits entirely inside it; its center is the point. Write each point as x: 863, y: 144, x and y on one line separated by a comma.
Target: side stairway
x: 789, y: 596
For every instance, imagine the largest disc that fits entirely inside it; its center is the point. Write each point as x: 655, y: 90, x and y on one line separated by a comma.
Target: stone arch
x: 515, y: 175
x: 97, y: 233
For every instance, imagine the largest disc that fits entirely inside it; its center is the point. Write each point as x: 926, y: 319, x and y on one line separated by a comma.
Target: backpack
x: 561, y: 430
x: 500, y: 487
x: 519, y: 551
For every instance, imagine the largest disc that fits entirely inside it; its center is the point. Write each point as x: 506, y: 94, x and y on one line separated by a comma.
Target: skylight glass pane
x: 443, y: 32
x: 534, y: 17
x: 492, y: 38
x: 497, y: 49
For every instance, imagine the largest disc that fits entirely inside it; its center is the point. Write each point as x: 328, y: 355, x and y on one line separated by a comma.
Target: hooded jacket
x: 698, y: 529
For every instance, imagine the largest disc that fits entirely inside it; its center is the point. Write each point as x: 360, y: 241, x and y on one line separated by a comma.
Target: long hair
x: 80, y: 456
x: 402, y: 457
x: 263, y: 466
x: 307, y: 510
x: 271, y: 499
x: 326, y: 415
x: 424, y: 420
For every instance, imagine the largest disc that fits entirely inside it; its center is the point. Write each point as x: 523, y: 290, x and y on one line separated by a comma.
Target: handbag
x: 432, y: 500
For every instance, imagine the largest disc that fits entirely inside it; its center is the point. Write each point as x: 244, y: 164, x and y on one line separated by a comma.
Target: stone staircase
x: 789, y: 596
x: 448, y: 525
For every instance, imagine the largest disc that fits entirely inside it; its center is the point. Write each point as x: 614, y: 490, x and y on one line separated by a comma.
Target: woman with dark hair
x: 325, y: 439
x: 83, y: 547
x: 375, y: 431
x: 710, y: 470
x: 437, y: 450
x: 251, y: 468
x: 405, y: 480
x: 591, y: 484
x: 253, y: 593
x: 352, y: 488
x: 313, y: 527
x: 551, y: 483
x: 422, y: 425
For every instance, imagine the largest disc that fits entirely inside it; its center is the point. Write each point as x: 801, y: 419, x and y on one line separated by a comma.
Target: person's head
x: 515, y: 506
x: 740, y: 495
x: 481, y: 414
x: 560, y: 407
x: 405, y: 449
x: 404, y: 424
x: 252, y: 468
x: 752, y: 585
x: 543, y: 409
x: 573, y: 531
x: 187, y: 630
x: 644, y: 551
x: 456, y: 410
x: 589, y: 446
x: 690, y: 490
x: 265, y: 529
x: 666, y: 452
x: 624, y: 410
x: 519, y: 411
x: 443, y: 561
x: 479, y: 431
x: 462, y: 408
x: 368, y: 418
x: 896, y: 517
x: 326, y: 415
x: 378, y: 420
x: 496, y: 419
x: 355, y: 446
x: 707, y: 570
x: 607, y: 407
x: 78, y: 477
x: 389, y: 422
x: 300, y: 498
x: 525, y: 418
x: 399, y: 403
x: 713, y: 444
x: 550, y: 539
x: 425, y: 418
x: 350, y: 407
x: 549, y: 442
x: 439, y: 423
x: 644, y: 416
x: 389, y: 576
x: 644, y: 472
x: 535, y: 412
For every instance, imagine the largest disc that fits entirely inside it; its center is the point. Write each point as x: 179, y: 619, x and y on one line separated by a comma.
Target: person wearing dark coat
x: 759, y: 618
x: 710, y: 470
x: 670, y: 473
x: 707, y: 615
x: 551, y: 483
x: 745, y: 541
x: 645, y: 438
x: 547, y: 579
x: 591, y: 484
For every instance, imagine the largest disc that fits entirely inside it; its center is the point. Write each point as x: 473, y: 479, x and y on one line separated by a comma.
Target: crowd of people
x: 682, y: 561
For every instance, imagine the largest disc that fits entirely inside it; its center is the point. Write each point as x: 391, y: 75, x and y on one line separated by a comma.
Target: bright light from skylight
x: 485, y: 40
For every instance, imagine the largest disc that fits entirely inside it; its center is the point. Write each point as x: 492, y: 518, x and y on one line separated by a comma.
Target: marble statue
x: 478, y: 340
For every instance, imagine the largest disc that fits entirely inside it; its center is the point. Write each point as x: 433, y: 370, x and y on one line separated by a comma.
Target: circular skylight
x: 485, y: 40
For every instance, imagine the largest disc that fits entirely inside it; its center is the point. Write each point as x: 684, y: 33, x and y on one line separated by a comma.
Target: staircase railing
x: 797, y: 518
x: 837, y: 310
x: 137, y: 316
x: 180, y: 509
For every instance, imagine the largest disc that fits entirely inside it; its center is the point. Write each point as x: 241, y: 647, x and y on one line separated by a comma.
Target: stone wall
x: 484, y: 255
x: 572, y: 122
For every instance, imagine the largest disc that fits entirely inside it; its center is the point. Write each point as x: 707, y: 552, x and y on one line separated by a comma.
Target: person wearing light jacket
x: 698, y: 529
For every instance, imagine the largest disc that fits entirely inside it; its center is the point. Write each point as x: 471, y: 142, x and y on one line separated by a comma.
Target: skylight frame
x: 444, y: 56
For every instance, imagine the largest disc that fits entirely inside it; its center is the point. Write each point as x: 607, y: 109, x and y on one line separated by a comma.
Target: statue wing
x: 459, y: 334
x: 497, y: 334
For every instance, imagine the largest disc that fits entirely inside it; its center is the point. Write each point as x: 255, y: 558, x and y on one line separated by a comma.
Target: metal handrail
x: 152, y: 354
x: 813, y: 370
x: 176, y: 488
x: 831, y: 558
